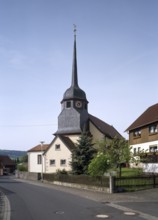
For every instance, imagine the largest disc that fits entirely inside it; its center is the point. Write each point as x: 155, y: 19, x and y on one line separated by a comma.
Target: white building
x: 36, y: 162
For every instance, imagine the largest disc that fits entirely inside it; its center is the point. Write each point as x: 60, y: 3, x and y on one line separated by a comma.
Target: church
x: 73, y: 119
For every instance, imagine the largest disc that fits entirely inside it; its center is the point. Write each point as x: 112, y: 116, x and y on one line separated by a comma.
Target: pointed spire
x: 74, y: 82
x: 74, y: 92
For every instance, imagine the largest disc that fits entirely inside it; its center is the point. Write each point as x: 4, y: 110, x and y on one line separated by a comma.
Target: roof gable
x: 148, y: 117
x: 104, y: 128
x: 39, y: 148
x: 66, y: 140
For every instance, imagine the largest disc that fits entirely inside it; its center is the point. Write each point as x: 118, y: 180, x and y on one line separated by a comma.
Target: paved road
x: 37, y: 201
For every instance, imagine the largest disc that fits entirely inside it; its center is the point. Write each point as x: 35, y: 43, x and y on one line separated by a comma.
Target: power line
x: 31, y: 125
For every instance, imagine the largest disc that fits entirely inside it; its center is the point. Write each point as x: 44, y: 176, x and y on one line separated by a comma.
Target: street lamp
x: 42, y: 142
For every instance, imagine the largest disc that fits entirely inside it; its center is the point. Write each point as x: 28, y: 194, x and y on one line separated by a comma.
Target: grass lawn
x: 129, y: 172
x: 126, y: 172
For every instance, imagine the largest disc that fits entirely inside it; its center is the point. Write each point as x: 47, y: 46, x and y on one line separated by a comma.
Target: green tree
x: 17, y: 160
x: 112, y: 154
x: 24, y: 159
x: 118, y: 152
x: 99, y: 165
x: 82, y: 154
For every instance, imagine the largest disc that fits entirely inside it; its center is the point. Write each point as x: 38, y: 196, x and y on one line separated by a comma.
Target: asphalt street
x: 28, y: 200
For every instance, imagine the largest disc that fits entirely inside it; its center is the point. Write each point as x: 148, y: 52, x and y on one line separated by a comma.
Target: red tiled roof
x: 5, y: 160
x: 148, y: 117
x: 38, y: 148
x: 105, y: 128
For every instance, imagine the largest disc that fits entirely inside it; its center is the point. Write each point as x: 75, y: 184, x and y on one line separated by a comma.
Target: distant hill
x: 13, y: 154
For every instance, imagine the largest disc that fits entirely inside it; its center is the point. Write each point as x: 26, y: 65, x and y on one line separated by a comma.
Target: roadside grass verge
x: 127, y: 172
x: 130, y: 172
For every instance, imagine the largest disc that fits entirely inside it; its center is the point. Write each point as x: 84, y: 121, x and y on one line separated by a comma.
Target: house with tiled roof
x: 143, y: 132
x: 73, y: 120
x: 35, y: 157
x: 7, y: 165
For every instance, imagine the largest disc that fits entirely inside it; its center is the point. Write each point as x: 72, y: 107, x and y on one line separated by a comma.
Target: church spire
x: 74, y: 115
x: 74, y: 82
x: 74, y: 92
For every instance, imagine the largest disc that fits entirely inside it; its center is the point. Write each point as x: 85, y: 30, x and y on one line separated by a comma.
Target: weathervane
x: 75, y: 29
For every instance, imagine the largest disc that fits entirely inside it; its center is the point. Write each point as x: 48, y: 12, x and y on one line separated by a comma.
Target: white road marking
x: 102, y: 216
x: 130, y: 213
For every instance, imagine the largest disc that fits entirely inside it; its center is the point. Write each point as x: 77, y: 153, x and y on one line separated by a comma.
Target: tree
x: 24, y: 159
x: 82, y: 154
x: 119, y: 153
x: 99, y: 165
x: 111, y: 154
x: 22, y: 163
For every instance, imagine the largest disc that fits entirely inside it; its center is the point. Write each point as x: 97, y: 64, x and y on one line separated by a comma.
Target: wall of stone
x: 28, y: 175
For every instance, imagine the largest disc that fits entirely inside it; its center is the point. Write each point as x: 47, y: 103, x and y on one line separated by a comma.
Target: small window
x: 62, y: 162
x: 153, y: 149
x: 137, y: 133
x: 52, y: 162
x: 68, y: 104
x: 57, y: 147
x: 39, y: 159
x: 153, y: 129
x: 135, y: 151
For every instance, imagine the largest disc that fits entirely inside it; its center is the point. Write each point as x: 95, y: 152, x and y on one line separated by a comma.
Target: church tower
x: 73, y: 118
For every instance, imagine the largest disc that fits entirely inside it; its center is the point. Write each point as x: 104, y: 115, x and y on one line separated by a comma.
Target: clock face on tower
x: 78, y: 104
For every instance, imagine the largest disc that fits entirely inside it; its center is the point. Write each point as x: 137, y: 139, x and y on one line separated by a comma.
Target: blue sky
x: 117, y: 51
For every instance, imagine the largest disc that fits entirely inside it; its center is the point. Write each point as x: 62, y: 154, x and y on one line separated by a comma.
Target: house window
x: 153, y: 129
x: 52, y: 162
x: 39, y: 159
x: 62, y: 162
x: 68, y: 104
x: 137, y: 133
x: 135, y: 151
x: 153, y: 149
x: 57, y: 147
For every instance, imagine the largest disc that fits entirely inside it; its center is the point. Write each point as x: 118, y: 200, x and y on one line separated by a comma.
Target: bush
x: 99, y: 165
x: 22, y: 168
x: 61, y: 171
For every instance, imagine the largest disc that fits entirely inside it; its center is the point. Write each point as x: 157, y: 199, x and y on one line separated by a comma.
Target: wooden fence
x: 107, y: 184
x: 78, y: 179
x: 135, y: 183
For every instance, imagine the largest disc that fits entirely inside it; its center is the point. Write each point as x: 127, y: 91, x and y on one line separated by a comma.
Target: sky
x: 117, y: 54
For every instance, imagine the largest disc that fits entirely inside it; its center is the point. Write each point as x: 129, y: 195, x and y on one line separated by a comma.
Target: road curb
x: 5, y: 207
